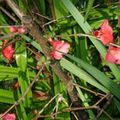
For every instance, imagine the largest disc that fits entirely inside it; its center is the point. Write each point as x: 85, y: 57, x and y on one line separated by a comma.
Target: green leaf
x: 22, y: 5
x: 32, y: 42
x: 6, y: 96
x: 21, y: 60
x: 89, y: 6
x: 20, y: 110
x: 117, y: 103
x: 8, y: 73
x: 81, y: 74
x: 42, y: 6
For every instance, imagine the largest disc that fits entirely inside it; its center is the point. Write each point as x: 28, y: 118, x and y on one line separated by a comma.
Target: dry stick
x: 91, y: 91
x: 79, y: 35
x: 101, y: 99
x: 105, y: 106
x: 55, y: 20
x: 74, y: 115
x: 69, y: 110
x: 95, y: 106
x: 8, y: 14
x: 38, y: 114
x: 107, y: 115
x: 38, y: 14
x: 32, y: 51
x: 8, y: 36
x: 25, y: 93
x: 8, y: 26
x: 35, y: 32
x: 15, y: 8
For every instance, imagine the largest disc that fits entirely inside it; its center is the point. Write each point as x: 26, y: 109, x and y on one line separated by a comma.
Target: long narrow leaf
x: 21, y: 59
x: 81, y: 74
x: 6, y: 96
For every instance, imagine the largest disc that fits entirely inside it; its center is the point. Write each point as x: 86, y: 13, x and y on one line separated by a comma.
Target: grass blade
x: 81, y: 74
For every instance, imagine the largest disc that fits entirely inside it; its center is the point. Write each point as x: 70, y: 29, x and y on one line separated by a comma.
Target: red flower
x: 16, y: 85
x: 105, y: 33
x: 8, y: 51
x: 113, y: 55
x: 59, y: 47
x: 14, y: 29
x: 9, y: 117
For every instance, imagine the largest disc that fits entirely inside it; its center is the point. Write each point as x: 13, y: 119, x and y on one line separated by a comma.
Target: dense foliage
x: 59, y: 59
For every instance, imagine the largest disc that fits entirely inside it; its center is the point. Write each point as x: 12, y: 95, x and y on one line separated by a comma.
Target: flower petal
x: 105, y: 33
x: 8, y: 51
x: 113, y: 55
x: 59, y: 48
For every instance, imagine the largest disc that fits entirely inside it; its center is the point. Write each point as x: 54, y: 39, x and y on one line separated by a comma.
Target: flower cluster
x: 105, y: 35
x: 59, y: 48
x: 8, y: 51
x: 15, y: 29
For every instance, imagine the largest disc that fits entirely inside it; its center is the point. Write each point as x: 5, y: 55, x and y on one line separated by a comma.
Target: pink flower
x: 59, y: 48
x: 9, y: 116
x: 105, y: 33
x: 21, y: 30
x: 15, y: 29
x: 38, y: 67
x: 8, y: 51
x: 113, y: 55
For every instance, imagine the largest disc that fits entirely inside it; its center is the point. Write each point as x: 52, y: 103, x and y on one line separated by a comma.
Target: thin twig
x: 8, y: 26
x: 107, y: 115
x: 38, y: 114
x: 114, y: 44
x: 101, y: 99
x: 69, y: 110
x: 32, y: 51
x: 79, y: 35
x: 38, y: 14
x: 55, y: 20
x: 74, y: 115
x: 22, y: 98
x: 15, y: 8
x: 8, y: 14
x: 8, y: 36
x: 105, y: 106
x: 91, y: 91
